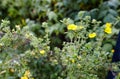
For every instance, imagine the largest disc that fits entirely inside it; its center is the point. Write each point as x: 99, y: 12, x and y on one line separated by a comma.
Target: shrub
x: 25, y: 55
x: 37, y: 43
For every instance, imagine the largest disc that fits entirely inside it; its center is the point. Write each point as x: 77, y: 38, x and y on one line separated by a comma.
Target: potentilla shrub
x: 84, y: 55
x: 23, y: 55
x: 26, y: 56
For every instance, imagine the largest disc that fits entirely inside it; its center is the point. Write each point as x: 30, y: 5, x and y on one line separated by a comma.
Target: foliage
x: 22, y: 52
x: 57, y: 39
x: 51, y: 11
x: 84, y: 57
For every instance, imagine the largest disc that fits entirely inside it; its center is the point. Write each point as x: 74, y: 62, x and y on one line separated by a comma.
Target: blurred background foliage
x: 33, y: 13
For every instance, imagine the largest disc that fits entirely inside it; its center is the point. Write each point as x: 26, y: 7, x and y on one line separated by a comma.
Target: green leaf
x: 94, y: 13
x: 107, y: 47
x: 113, y: 12
x: 81, y: 14
x: 102, y: 14
x: 109, y: 18
x: 52, y: 15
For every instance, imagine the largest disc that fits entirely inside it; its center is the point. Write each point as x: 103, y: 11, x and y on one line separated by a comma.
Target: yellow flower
x: 72, y: 27
x: 24, y: 77
x: 108, y: 30
x: 108, y: 24
x: 27, y: 73
x: 73, y: 61
x: 92, y: 35
x: 112, y: 50
x: 42, y: 52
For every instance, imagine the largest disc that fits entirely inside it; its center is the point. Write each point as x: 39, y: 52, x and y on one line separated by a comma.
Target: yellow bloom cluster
x: 24, y: 77
x: 42, y: 52
x: 92, y: 35
x: 27, y: 73
x: 108, y: 24
x: 112, y: 50
x: 73, y: 61
x: 72, y: 27
x: 108, y: 28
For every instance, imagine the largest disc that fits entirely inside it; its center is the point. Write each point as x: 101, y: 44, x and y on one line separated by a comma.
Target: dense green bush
x: 54, y: 39
x: 25, y: 55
